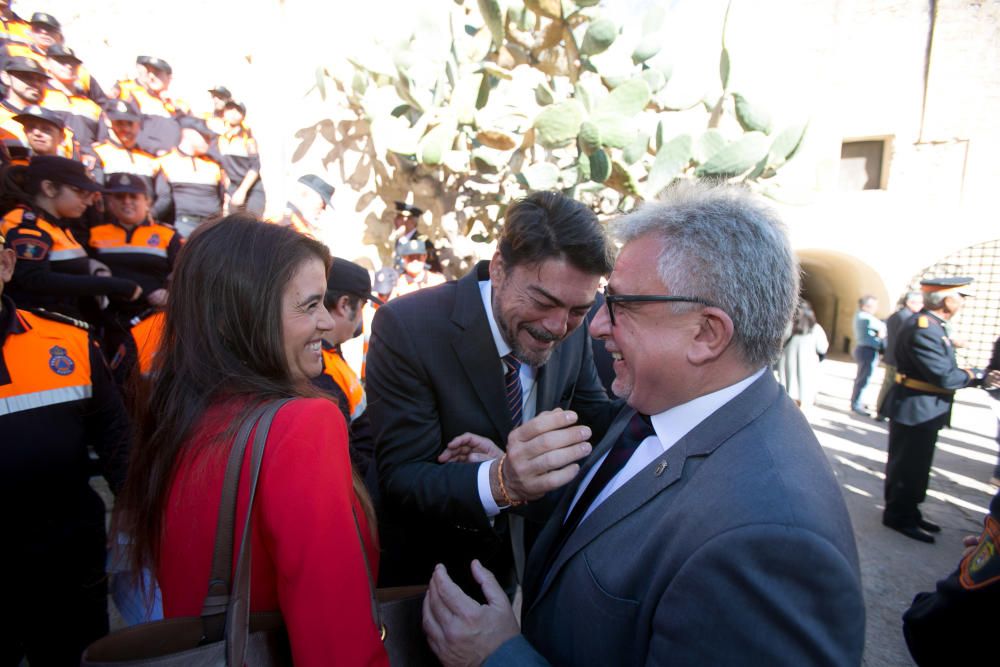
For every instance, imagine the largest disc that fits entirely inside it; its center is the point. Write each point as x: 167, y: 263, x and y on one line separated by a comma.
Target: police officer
x: 56, y: 398
x: 348, y: 288
x: 120, y: 152
x: 416, y: 273
x: 920, y: 401
x: 149, y: 92
x: 405, y: 229
x: 136, y: 247
x: 953, y: 625
x: 310, y: 198
x: 214, y: 119
x: 64, y: 95
x: 45, y: 133
x: 240, y: 159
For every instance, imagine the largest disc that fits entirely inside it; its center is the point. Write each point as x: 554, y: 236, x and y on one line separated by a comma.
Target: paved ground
x: 895, y: 568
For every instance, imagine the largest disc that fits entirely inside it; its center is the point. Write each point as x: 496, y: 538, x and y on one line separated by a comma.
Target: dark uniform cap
x: 947, y: 284
x: 233, y: 104
x: 64, y: 52
x: 121, y: 182
x: 45, y: 19
x: 158, y: 64
x: 413, y: 247
x: 198, y: 125
x: 221, y: 92
x: 41, y: 113
x: 61, y: 170
x: 385, y: 280
x: 22, y: 64
x: 408, y: 209
x: 346, y: 276
x: 321, y: 187
x: 123, y: 110
x: 142, y: 60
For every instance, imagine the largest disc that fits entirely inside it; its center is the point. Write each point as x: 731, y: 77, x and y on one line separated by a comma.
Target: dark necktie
x: 512, y: 385
x: 637, y: 430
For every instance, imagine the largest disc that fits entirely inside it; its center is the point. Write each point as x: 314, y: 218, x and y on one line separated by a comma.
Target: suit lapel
x: 646, y: 484
x: 476, y: 350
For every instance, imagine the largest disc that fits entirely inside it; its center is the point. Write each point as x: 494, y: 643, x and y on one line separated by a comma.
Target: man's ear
x: 7, y: 260
x: 715, y: 332
x: 497, y: 268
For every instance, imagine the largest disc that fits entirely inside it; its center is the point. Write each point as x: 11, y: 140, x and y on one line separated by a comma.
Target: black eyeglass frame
x: 611, y: 299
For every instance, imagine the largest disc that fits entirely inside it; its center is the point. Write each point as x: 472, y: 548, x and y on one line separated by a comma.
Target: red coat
x: 307, y: 559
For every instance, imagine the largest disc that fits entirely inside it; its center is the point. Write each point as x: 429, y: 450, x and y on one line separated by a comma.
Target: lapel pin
x: 660, y: 467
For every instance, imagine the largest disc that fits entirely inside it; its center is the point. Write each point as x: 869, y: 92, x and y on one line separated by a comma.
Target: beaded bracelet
x: 503, y: 488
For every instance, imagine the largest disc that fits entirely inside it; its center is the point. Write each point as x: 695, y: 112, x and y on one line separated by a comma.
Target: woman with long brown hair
x: 244, y: 326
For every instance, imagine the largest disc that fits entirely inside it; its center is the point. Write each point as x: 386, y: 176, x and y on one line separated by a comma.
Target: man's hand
x: 239, y: 198
x: 460, y: 631
x: 469, y: 448
x: 992, y: 380
x: 541, y: 456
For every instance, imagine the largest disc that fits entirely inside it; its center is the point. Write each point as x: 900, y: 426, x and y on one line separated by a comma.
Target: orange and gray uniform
x: 53, y: 269
x: 68, y: 147
x: 113, y: 158
x: 238, y: 155
x: 81, y: 115
x: 56, y: 401
x: 188, y: 186
x: 340, y: 382
x: 144, y: 254
x: 15, y: 29
x: 160, y: 132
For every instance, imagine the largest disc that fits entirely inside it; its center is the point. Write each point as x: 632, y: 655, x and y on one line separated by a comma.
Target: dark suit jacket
x: 434, y: 373
x: 740, y: 552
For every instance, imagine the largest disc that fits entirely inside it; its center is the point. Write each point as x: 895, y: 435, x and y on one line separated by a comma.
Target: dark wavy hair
x: 222, y: 340
x: 550, y: 225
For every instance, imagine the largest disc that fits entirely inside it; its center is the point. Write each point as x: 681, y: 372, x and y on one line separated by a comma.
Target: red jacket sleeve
x: 306, y: 516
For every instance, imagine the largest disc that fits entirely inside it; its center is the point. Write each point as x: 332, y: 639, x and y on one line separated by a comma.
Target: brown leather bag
x: 226, y: 633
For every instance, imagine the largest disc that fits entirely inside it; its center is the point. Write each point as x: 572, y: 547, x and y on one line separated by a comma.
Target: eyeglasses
x: 611, y: 299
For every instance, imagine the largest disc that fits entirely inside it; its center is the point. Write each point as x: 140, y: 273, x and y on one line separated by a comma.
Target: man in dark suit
x: 919, y: 403
x: 707, y: 527
x: 482, y: 356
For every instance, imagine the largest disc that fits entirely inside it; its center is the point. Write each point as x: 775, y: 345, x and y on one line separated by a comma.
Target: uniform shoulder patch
x: 982, y: 567
x: 923, y: 322
x: 60, y: 362
x: 59, y: 317
x: 29, y: 247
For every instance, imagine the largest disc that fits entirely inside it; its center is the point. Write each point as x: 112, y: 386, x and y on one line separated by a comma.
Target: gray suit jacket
x: 739, y: 552
x: 434, y: 373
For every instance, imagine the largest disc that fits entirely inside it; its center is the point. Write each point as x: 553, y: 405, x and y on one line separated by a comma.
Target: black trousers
x: 911, y: 451
x: 55, y: 592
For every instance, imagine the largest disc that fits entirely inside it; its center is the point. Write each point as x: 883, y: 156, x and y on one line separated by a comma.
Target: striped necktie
x: 512, y: 386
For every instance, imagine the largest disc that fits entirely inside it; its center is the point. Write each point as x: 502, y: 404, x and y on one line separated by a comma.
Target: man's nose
x: 600, y: 326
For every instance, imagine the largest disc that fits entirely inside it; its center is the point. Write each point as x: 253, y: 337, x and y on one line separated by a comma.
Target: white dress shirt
x: 670, y: 426
x: 528, y: 386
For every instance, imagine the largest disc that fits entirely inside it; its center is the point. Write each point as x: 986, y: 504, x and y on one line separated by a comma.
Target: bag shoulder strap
x: 376, y: 613
x: 238, y: 612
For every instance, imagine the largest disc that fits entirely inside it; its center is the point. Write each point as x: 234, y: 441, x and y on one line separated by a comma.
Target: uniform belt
x: 920, y: 385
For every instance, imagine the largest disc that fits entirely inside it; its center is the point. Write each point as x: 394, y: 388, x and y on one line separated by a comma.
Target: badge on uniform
x: 153, y: 240
x: 29, y: 248
x: 982, y: 566
x: 59, y: 361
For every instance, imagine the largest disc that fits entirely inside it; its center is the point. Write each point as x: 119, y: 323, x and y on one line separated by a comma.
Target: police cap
x: 385, y: 280
x: 22, y: 64
x: 346, y: 276
x: 63, y: 52
x: 121, y: 182
x: 158, y: 64
x: 402, y: 208
x: 221, y: 92
x: 958, y: 285
x: 233, y: 104
x: 123, y: 110
x: 40, y: 113
x: 413, y: 247
x: 41, y: 18
x: 198, y: 125
x: 142, y: 60
x: 319, y: 186
x: 61, y: 170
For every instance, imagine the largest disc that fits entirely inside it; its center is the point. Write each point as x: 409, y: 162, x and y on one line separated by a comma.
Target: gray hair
x: 866, y: 300
x: 724, y: 245
x: 935, y: 300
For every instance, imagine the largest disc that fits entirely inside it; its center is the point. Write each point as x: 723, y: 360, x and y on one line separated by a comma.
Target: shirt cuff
x: 485, y: 493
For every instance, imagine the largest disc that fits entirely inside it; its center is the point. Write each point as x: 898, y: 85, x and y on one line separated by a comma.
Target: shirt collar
x: 673, y: 424
x: 10, y: 322
x: 486, y: 291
